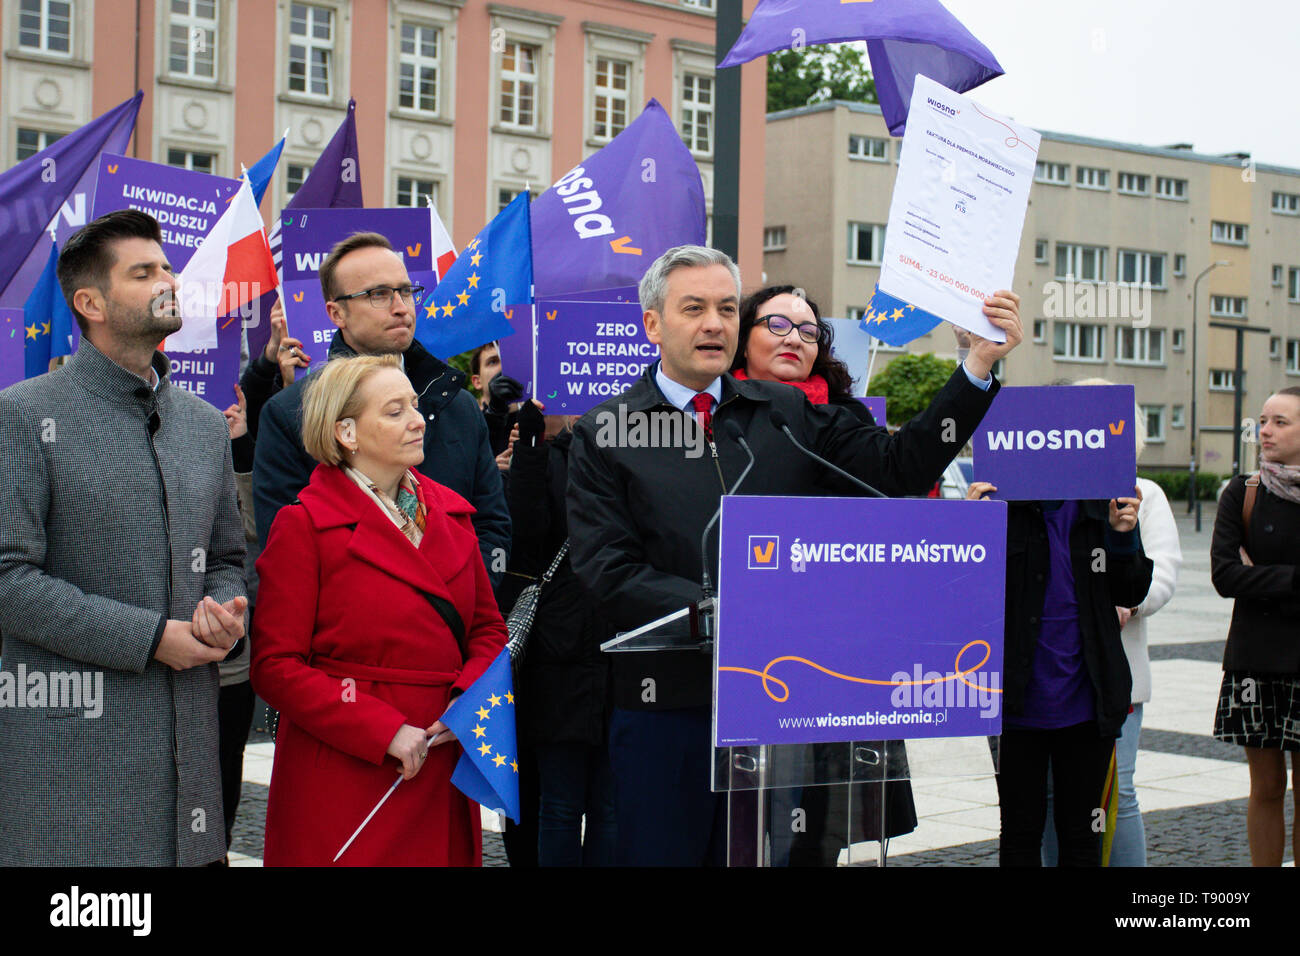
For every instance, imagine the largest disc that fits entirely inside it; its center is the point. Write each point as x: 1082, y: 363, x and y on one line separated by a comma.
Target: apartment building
x: 1104, y: 217
x: 466, y: 101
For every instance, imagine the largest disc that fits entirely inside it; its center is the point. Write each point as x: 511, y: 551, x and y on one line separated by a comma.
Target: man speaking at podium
x: 636, y: 515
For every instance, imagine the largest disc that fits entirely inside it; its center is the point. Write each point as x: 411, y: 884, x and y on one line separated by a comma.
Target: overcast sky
x: 1224, y: 77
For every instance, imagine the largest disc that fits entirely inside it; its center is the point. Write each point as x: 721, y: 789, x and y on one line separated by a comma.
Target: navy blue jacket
x: 456, y: 451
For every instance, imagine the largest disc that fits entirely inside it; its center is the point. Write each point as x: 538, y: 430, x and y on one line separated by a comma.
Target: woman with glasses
x: 782, y: 339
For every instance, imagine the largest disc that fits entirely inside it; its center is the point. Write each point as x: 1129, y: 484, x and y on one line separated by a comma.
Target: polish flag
x: 444, y: 252
x: 231, y: 269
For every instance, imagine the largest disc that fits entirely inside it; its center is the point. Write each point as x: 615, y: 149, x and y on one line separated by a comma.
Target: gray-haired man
x: 636, y: 515
x: 121, y: 580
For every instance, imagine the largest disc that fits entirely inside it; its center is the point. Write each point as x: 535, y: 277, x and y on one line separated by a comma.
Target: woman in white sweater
x: 1159, y: 535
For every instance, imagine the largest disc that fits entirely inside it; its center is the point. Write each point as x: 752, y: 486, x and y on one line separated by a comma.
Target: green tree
x: 838, y: 71
x: 909, y: 383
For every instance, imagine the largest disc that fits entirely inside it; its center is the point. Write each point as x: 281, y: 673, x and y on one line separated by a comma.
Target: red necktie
x: 703, y: 403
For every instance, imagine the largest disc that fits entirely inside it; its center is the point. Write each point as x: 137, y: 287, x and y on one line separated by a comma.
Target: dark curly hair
x: 835, y: 372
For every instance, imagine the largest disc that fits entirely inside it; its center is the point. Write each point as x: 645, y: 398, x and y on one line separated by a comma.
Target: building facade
x: 1114, y: 238
x: 467, y: 101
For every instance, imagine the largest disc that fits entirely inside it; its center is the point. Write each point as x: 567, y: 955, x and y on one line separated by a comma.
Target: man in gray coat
x: 121, y: 580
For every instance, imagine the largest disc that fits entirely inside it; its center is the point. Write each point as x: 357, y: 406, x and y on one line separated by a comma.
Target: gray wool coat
x: 105, y: 532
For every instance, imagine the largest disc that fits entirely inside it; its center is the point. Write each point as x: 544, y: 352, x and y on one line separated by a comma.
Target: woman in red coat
x: 349, y: 643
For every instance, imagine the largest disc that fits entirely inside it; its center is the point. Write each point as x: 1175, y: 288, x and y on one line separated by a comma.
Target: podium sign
x: 843, y: 619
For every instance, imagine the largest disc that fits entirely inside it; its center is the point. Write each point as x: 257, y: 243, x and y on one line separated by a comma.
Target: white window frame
x: 519, y: 78
x: 416, y: 195
x: 698, y: 4
x: 1177, y: 416
x: 1143, y: 267
x: 1226, y: 233
x: 697, y: 110
x: 294, y: 164
x: 193, y: 26
x: 1177, y: 340
x: 868, y: 151
x: 418, y: 62
x: 1092, y: 177
x: 1293, y: 356
x: 1046, y: 171
x: 189, y: 155
x: 43, y: 47
x: 310, y: 43
x: 1145, y: 341
x: 44, y: 138
x: 1073, y: 339
x: 613, y: 97
x: 1286, y: 204
x: 1226, y: 377
x: 1040, y: 331
x: 1075, y: 254
x: 1293, y: 284
x: 1154, y: 436
x: 877, y: 243
x: 1228, y: 306
x: 1044, y: 257
x: 1279, y: 276
x: 1171, y: 188
x: 1180, y: 264
x: 1275, y: 347
x: 1140, y: 184
x: 774, y: 238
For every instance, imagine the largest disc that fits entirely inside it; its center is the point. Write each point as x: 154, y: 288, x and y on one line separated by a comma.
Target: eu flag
x: 894, y: 321
x: 468, y: 306
x: 47, y: 322
x: 483, y: 720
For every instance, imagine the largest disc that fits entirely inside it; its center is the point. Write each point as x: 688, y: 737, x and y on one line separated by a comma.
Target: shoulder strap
x: 1248, y: 505
x: 451, y: 617
x: 559, y: 556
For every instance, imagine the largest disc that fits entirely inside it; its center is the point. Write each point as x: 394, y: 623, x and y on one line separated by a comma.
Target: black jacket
x: 1265, y: 634
x: 456, y: 452
x: 1122, y: 580
x: 563, y: 684
x: 636, y: 514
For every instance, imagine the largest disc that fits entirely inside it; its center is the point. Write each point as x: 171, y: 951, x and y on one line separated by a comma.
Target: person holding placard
x: 1255, y: 559
x: 1066, y: 680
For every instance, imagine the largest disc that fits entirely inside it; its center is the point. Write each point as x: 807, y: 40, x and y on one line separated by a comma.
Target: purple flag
x: 53, y: 188
x: 12, y: 335
x: 606, y: 220
x: 904, y: 38
x: 333, y: 183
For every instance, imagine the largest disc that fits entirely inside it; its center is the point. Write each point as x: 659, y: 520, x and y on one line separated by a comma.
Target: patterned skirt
x: 1259, y: 711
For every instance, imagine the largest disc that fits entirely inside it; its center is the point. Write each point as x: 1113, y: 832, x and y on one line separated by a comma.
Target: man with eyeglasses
x: 369, y: 296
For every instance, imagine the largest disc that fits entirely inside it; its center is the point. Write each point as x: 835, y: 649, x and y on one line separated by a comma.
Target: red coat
x: 348, y: 648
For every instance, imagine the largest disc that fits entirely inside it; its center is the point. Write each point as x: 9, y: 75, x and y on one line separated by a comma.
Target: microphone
x: 732, y: 431
x: 779, y: 420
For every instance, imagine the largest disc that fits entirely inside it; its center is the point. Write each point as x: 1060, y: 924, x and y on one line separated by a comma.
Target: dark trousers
x: 234, y: 720
x: 576, y: 781
x: 1078, y: 758
x: 665, y: 813
x: 520, y: 838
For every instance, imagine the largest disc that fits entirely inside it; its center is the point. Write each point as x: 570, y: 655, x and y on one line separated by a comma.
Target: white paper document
x: 958, y: 208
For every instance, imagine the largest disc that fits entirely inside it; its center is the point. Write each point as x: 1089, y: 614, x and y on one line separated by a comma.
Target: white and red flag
x: 230, y: 272
x: 444, y: 252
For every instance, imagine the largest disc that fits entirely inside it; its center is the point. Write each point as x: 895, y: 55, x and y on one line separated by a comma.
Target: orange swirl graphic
x: 959, y: 674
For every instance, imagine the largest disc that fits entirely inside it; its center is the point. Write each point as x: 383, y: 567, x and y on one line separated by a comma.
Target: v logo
x: 1117, y: 429
x: 764, y: 555
x: 112, y: 167
x: 551, y: 314
x: 297, y: 296
x: 414, y: 250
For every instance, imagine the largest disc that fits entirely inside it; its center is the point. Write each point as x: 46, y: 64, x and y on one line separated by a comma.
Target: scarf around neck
x: 815, y: 387
x: 1281, y: 480
x: 409, y: 512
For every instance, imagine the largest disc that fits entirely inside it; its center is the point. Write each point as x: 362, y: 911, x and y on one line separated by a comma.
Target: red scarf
x: 815, y: 388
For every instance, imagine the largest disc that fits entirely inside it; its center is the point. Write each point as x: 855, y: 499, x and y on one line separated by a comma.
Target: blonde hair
x: 1139, y: 426
x: 333, y: 394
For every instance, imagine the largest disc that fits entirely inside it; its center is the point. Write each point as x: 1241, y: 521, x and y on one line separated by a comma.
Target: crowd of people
x: 346, y: 545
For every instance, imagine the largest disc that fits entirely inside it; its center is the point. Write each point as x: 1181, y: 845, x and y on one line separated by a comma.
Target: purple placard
x: 11, y: 347
x: 309, y: 234
x: 517, y: 350
x: 1045, y: 443
x: 186, y: 204
x: 587, y: 352
x: 876, y: 405
x: 872, y: 619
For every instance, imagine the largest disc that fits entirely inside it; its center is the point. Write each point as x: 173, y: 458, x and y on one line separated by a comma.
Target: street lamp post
x: 1193, y: 499
x: 726, y: 142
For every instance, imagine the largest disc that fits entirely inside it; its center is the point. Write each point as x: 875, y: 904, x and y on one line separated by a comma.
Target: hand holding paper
x: 1003, y: 310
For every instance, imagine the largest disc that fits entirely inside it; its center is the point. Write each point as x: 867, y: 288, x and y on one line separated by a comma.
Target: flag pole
x: 382, y: 800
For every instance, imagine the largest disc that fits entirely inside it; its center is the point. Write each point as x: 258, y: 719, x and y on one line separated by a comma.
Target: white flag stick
x: 382, y: 800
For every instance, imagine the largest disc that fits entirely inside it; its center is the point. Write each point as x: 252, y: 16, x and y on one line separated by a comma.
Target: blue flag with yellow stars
x: 894, y: 321
x: 47, y: 321
x: 483, y: 720
x: 468, y: 306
